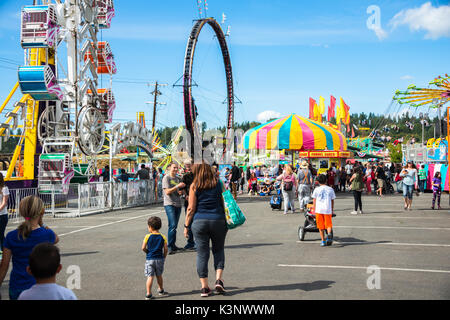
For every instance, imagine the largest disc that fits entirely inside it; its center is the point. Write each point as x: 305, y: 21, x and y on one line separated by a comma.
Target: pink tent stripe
x: 308, y: 135
x: 261, y: 135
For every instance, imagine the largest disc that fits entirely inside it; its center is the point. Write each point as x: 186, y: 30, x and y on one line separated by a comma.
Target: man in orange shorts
x: 323, y: 206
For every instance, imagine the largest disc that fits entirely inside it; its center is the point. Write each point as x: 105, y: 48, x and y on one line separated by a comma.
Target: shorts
x: 380, y: 183
x: 154, y: 267
x: 323, y: 221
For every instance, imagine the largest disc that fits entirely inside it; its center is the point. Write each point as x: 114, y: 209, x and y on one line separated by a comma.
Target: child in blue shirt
x: 156, y: 249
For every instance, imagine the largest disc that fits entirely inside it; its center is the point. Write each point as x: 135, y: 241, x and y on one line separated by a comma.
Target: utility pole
x: 155, y: 102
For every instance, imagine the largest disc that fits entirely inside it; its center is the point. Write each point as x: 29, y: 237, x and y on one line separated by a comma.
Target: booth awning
x: 294, y: 132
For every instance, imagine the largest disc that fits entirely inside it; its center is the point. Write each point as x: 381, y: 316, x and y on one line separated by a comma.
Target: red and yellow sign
x: 324, y: 154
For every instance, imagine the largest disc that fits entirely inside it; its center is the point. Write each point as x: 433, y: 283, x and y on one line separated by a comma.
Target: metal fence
x: 89, y: 198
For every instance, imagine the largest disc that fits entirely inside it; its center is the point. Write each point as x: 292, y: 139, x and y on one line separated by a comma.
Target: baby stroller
x: 310, y: 223
x: 277, y: 199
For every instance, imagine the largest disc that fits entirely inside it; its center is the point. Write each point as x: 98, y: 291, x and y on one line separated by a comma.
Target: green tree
x: 395, y: 152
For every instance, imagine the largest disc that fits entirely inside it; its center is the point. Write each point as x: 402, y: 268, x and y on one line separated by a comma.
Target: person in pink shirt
x: 288, y: 187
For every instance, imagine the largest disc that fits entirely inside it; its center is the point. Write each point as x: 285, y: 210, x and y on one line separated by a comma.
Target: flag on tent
x: 345, y: 110
x: 317, y: 115
x: 331, y: 108
x: 321, y: 108
x: 312, y: 102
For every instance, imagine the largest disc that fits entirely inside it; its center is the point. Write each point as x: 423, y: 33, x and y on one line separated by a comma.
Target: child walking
x: 436, y: 190
x: 323, y: 206
x: 156, y: 249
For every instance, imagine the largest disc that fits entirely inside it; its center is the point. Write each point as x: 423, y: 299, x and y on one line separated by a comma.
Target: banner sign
x: 324, y: 154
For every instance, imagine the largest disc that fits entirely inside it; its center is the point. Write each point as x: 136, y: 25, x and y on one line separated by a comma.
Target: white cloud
x: 267, y: 115
x: 435, y: 21
x: 406, y: 77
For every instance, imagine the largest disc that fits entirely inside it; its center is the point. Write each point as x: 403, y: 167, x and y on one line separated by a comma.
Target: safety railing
x: 89, y: 198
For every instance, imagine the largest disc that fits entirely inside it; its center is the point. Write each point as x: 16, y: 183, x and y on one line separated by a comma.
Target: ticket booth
x: 322, y: 160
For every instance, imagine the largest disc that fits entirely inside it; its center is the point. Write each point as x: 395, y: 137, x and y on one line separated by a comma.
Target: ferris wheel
x: 64, y: 61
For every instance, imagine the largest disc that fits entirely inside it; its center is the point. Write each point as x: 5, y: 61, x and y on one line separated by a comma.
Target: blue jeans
x: 173, y: 215
x: 422, y: 185
x: 3, y: 223
x: 408, y: 191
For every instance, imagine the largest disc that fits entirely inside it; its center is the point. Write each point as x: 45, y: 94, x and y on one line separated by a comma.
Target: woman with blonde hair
x: 207, y: 214
x: 20, y: 242
x: 288, y: 187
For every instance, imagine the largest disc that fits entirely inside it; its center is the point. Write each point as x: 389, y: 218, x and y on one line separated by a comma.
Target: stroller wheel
x: 301, y: 233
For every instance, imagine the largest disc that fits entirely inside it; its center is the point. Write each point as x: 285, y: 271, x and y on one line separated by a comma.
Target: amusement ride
x: 65, y: 109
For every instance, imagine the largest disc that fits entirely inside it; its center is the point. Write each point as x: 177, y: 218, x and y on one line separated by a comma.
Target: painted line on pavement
x: 109, y: 223
x: 381, y: 243
x: 381, y: 227
x: 357, y: 267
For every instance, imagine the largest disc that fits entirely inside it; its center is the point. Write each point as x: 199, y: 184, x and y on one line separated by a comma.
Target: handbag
x: 233, y: 213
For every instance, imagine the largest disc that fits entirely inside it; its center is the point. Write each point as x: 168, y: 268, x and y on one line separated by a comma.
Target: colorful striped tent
x: 294, y: 132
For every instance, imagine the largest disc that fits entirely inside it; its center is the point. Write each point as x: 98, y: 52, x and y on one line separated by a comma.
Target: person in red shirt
x: 331, y: 174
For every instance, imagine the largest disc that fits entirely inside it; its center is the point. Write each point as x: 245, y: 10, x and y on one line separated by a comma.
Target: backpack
x: 288, y: 184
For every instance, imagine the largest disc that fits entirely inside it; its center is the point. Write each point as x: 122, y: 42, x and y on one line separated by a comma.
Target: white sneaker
x: 360, y: 212
x: 354, y: 212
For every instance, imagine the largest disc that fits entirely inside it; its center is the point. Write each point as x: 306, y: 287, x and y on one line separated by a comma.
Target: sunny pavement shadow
x: 231, y: 291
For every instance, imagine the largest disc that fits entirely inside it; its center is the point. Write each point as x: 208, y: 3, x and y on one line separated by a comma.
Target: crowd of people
x: 36, y: 260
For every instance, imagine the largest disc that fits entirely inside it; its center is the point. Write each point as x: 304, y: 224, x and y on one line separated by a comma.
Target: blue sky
x: 282, y: 52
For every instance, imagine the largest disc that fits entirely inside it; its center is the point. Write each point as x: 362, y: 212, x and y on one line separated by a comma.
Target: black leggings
x: 206, y: 231
x: 358, y: 201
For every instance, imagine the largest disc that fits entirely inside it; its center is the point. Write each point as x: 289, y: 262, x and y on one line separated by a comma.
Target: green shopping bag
x: 233, y: 213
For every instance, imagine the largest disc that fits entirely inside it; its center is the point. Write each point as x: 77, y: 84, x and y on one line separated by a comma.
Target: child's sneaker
x: 323, y: 244
x: 354, y: 212
x: 206, y: 292
x: 162, y: 292
x: 149, y: 297
x: 329, y: 240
